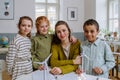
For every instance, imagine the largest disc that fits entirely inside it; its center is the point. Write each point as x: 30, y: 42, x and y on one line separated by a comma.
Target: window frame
x: 47, y: 5
x: 109, y: 19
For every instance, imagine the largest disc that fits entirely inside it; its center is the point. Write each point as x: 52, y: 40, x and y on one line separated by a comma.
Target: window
x: 113, y: 18
x: 49, y: 8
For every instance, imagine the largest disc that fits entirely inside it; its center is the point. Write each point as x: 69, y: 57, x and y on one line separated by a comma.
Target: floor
x: 5, y: 76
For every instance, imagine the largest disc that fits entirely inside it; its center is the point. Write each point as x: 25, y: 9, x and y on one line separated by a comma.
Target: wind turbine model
x: 82, y: 76
x: 46, y: 66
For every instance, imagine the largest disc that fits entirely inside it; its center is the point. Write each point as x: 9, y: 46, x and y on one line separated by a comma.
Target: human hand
x: 73, y: 39
x: 56, y: 71
x: 41, y: 67
x: 77, y: 60
x: 79, y: 71
x: 98, y: 70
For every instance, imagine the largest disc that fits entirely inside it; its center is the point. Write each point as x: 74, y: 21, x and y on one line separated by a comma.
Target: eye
x: 64, y: 30
x: 46, y: 26
x: 86, y: 31
x: 92, y: 31
x: 29, y: 26
x: 23, y: 25
x: 57, y: 32
x: 41, y: 26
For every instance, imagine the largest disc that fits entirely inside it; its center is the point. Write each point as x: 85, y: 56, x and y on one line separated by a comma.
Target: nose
x: 45, y: 28
x: 62, y: 33
x: 89, y: 33
x: 26, y: 27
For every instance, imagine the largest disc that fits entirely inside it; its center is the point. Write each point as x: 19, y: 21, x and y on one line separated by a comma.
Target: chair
x: 116, y: 53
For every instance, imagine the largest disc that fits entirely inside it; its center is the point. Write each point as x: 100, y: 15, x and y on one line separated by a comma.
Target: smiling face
x: 90, y: 32
x: 43, y: 28
x: 62, y: 32
x: 42, y: 25
x: 25, y: 27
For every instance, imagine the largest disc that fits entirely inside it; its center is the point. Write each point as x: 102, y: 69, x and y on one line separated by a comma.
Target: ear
x: 98, y: 31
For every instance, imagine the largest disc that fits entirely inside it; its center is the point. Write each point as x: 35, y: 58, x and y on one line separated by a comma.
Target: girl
x: 18, y: 58
x: 101, y: 59
x: 64, y: 53
x: 41, y: 43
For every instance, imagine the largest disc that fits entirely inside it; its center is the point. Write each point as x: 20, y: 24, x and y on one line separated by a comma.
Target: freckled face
x: 91, y: 32
x: 62, y: 32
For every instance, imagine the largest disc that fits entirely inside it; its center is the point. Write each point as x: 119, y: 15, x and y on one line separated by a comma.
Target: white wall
x: 86, y: 9
x: 76, y: 26
x: 96, y: 9
x: 101, y: 13
x: 21, y: 8
x: 90, y: 9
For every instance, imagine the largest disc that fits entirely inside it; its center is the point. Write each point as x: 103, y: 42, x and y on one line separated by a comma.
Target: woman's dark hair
x: 55, y: 38
x: 25, y: 18
x: 91, y: 22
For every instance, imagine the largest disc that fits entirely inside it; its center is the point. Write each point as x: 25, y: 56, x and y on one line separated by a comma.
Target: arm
x: 75, y: 50
x: 73, y: 39
x: 33, y: 46
x: 59, y: 60
x: 10, y: 57
x: 109, y: 59
x: 33, y: 52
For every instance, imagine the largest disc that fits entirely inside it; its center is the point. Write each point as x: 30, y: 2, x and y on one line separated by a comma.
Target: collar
x: 94, y: 43
x: 42, y: 36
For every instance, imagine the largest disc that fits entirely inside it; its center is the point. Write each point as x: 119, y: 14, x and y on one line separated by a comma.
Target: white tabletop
x: 38, y: 75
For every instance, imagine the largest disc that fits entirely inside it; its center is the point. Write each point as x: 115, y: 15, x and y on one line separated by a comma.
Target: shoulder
x: 103, y: 43
x: 16, y: 39
x: 34, y: 37
x: 50, y: 35
x: 55, y: 45
x: 84, y: 42
x: 77, y: 44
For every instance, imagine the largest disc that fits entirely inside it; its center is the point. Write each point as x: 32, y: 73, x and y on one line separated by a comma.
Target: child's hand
x: 77, y: 60
x: 73, y: 39
x: 56, y: 71
x: 41, y: 67
x: 79, y: 71
x: 98, y: 70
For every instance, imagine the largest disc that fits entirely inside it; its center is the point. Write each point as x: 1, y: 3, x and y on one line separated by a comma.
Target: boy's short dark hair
x: 91, y: 22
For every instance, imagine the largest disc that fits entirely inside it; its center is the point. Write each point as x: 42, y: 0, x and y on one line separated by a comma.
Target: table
x: 38, y: 75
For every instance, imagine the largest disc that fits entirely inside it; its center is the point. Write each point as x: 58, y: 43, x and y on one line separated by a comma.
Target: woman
x: 64, y: 54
